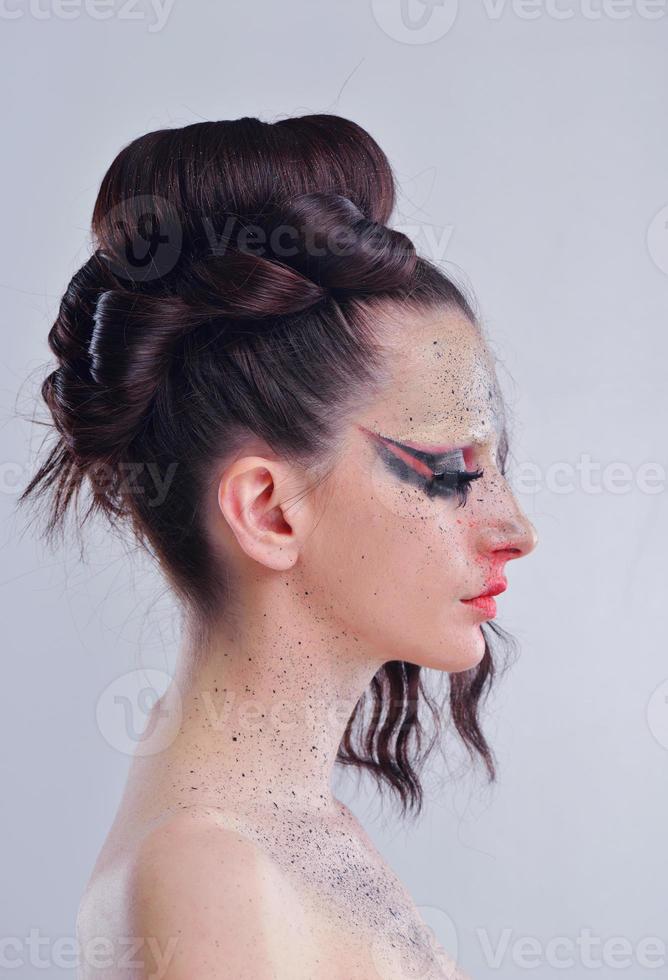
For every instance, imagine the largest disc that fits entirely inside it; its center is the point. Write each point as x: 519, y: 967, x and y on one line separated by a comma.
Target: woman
x: 322, y: 414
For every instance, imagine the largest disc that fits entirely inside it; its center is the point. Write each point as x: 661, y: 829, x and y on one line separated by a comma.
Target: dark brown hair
x: 232, y: 290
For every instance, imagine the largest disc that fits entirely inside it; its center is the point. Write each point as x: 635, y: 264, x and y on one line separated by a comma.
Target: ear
x: 263, y: 501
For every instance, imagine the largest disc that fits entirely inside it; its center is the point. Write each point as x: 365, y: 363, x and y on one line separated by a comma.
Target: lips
x: 485, y: 601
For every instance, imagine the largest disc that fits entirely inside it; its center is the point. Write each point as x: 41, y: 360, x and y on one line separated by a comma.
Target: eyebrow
x: 436, y: 449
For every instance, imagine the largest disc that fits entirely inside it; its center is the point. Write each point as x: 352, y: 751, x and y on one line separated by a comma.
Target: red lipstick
x: 485, y: 601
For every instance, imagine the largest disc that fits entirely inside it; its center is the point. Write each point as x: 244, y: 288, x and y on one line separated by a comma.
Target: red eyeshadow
x: 434, y: 448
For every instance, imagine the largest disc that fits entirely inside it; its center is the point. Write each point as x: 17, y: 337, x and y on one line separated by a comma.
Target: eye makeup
x: 441, y: 472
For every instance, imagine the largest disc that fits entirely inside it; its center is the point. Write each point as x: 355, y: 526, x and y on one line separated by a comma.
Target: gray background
x: 531, y: 145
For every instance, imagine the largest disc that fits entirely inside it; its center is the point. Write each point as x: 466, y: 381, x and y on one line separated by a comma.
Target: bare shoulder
x: 213, y: 903
x: 208, y: 902
x: 195, y: 897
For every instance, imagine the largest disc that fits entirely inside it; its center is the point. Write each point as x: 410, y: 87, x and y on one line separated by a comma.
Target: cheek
x: 397, y: 565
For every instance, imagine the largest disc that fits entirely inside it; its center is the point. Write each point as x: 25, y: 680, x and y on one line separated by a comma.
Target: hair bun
x: 70, y: 334
x: 281, y: 263
x: 329, y: 240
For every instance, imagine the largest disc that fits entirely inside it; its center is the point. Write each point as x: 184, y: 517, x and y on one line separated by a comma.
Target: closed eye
x: 451, y: 482
x: 442, y: 474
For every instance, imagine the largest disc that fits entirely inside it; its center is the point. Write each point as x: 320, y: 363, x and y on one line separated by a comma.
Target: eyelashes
x: 437, y: 475
x: 451, y: 483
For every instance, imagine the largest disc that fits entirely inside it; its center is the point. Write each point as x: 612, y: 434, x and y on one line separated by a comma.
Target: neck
x: 266, y: 702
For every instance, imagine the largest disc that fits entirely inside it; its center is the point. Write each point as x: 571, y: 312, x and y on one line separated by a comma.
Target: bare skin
x: 229, y: 854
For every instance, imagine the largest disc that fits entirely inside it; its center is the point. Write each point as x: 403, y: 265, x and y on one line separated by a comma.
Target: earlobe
x: 251, y: 498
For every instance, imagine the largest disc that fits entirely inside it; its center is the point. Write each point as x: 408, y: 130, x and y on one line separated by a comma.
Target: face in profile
x: 418, y: 517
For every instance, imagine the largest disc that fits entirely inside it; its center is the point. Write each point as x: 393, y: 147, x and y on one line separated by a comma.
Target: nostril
x: 508, y: 552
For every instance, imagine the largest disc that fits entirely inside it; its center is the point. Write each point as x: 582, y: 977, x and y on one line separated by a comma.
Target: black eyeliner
x: 436, y: 482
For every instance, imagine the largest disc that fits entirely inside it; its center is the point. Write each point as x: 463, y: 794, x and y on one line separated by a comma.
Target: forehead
x: 441, y: 381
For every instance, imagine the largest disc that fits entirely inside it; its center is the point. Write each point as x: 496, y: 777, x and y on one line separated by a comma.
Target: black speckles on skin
x: 331, y: 867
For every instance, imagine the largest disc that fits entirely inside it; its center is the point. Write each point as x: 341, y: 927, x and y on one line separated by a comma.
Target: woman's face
x: 395, y: 550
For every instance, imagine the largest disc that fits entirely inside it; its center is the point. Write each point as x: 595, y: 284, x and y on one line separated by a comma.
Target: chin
x: 456, y: 659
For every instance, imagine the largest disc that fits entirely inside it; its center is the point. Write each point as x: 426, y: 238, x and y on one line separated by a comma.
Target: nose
x: 510, y: 531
